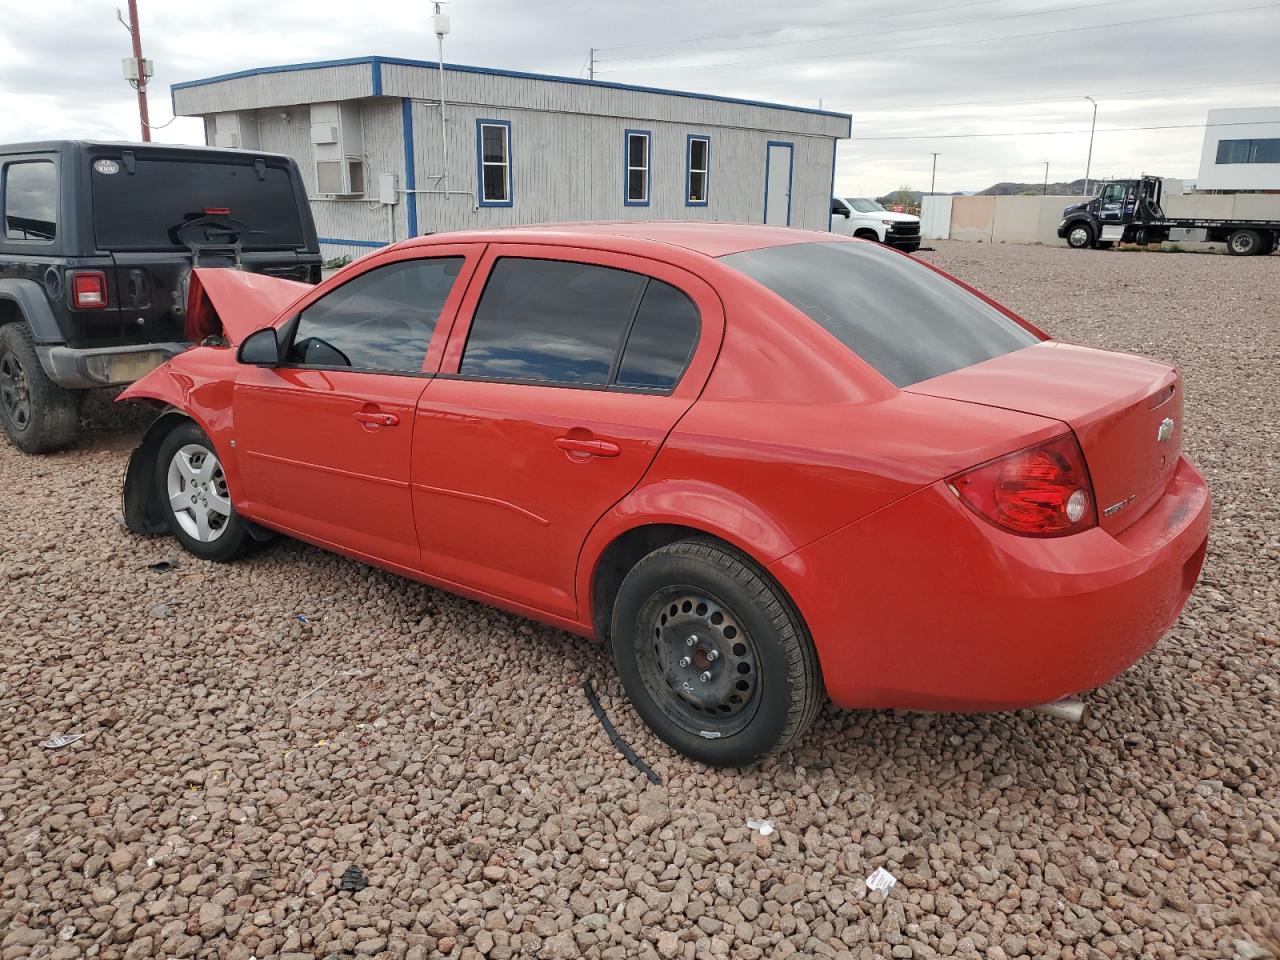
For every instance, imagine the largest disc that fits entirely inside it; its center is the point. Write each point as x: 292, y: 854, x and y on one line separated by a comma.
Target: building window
x: 1249, y: 151
x: 637, y: 168
x: 493, y: 163
x: 698, y: 164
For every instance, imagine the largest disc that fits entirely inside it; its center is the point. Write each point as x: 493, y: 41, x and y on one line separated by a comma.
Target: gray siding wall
x: 567, y: 167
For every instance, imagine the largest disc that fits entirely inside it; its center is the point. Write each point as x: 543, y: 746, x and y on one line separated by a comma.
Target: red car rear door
x: 323, y: 439
x: 565, y: 372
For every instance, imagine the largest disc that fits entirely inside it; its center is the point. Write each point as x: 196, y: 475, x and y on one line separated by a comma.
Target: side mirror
x: 845, y: 213
x: 260, y: 348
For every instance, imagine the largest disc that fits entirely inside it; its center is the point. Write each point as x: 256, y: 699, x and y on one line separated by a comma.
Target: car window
x: 30, y: 200
x: 904, y: 319
x: 661, y: 339
x: 866, y: 206
x: 550, y: 321
x: 380, y: 321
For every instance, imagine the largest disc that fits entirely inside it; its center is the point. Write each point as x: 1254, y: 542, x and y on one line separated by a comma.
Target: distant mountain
x: 1075, y: 188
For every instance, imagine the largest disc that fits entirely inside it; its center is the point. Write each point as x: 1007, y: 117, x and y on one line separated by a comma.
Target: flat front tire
x: 712, y: 655
x: 38, y: 415
x: 194, y: 498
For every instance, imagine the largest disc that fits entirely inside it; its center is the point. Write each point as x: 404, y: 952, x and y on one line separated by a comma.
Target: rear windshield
x: 899, y: 316
x: 144, y: 209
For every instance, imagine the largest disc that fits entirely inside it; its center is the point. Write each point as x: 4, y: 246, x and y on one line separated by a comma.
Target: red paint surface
x: 777, y: 440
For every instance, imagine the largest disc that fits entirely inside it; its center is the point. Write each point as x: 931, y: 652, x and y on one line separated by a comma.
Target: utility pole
x: 139, y: 70
x: 933, y: 174
x: 1045, y: 191
x: 591, y: 68
x: 1089, y: 162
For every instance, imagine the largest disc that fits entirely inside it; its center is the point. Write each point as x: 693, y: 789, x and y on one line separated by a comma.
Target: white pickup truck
x: 860, y: 217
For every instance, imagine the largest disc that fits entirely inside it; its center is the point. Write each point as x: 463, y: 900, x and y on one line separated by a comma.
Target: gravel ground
x: 251, y: 731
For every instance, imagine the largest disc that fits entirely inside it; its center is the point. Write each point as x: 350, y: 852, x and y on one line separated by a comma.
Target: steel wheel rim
x: 1079, y: 236
x: 197, y: 490
x: 14, y: 394
x: 1242, y: 243
x: 698, y: 662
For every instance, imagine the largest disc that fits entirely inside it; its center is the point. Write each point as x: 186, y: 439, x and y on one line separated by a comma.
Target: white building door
x: 777, y: 184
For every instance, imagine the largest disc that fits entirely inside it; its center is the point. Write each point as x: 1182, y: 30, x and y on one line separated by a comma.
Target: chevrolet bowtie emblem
x: 1165, y: 430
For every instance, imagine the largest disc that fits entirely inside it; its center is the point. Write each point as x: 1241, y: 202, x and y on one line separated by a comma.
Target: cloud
x: 901, y: 70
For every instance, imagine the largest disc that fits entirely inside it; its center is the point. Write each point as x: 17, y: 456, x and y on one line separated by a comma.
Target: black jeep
x: 96, y: 253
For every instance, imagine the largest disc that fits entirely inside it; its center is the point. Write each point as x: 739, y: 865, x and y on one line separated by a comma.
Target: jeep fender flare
x: 32, y: 305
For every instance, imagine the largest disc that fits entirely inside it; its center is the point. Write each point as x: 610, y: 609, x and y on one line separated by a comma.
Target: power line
x: 1070, y: 8
x: 956, y: 43
x: 798, y: 26
x: 1055, y: 133
x: 1074, y: 96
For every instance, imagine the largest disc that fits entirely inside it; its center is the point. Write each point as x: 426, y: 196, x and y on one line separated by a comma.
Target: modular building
x: 1241, y: 150
x: 391, y: 148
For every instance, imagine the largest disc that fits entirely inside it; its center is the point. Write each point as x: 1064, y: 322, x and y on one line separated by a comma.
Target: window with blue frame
x: 637, y: 169
x: 493, y: 163
x: 697, y: 170
x: 1249, y: 151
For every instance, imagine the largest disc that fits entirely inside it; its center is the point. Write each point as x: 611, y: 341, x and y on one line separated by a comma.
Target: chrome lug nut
x: 713, y: 654
x: 705, y: 676
x: 685, y: 661
x: 691, y: 641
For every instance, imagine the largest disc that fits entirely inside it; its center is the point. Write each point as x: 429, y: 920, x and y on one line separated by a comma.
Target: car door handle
x: 377, y: 419
x: 593, y: 448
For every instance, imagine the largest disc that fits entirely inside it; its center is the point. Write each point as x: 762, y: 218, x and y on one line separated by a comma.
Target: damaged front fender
x: 141, y: 504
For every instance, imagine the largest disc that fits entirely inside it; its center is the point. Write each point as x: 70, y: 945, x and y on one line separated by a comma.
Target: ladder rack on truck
x: 1128, y: 211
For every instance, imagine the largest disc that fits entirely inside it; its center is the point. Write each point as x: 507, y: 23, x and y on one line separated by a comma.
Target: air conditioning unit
x: 341, y: 178
x: 236, y: 130
x: 337, y: 142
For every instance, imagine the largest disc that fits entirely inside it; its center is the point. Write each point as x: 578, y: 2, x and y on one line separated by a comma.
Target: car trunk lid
x: 1125, y: 411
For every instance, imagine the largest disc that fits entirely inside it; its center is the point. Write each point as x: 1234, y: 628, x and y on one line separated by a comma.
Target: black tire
x: 1244, y: 243
x: 765, y: 659
x: 38, y: 415
x: 227, y: 534
x: 1079, y: 235
x: 1104, y: 245
x: 865, y: 234
x: 1268, y: 243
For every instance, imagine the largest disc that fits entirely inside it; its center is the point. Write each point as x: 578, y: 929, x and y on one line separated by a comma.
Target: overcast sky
x: 929, y: 69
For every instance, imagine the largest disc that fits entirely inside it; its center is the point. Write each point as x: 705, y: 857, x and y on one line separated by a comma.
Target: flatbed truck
x: 1129, y: 211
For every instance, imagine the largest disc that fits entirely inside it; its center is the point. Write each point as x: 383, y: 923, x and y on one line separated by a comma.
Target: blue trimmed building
x: 382, y: 163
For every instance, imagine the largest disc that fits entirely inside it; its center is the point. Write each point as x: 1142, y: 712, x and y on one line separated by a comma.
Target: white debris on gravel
x: 463, y: 774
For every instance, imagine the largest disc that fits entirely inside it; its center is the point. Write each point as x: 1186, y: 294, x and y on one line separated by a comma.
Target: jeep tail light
x: 88, y: 289
x: 1040, y: 491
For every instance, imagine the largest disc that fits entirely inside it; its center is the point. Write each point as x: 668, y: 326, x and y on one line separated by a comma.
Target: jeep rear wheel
x: 38, y: 415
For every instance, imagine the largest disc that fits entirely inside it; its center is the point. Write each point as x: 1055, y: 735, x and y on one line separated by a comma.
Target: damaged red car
x: 767, y: 466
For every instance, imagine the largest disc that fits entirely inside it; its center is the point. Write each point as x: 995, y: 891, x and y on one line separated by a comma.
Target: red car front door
x: 323, y: 440
x: 564, y: 374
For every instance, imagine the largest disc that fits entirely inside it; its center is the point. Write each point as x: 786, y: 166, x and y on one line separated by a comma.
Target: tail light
x: 1040, y: 491
x: 88, y: 289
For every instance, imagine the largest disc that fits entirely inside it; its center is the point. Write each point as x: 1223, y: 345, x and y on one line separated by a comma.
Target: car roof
x: 709, y: 239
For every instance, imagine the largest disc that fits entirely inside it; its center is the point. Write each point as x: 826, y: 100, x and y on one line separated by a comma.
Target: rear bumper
x: 926, y: 606
x: 105, y: 366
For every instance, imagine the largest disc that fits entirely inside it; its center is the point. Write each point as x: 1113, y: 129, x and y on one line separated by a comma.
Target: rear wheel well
x: 9, y: 312
x: 629, y: 548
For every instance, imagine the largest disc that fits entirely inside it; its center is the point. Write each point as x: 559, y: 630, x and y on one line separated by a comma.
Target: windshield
x: 904, y: 319
x: 144, y: 209
x: 865, y: 206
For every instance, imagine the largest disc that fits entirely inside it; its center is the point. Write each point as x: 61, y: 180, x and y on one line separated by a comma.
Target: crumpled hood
x: 235, y: 303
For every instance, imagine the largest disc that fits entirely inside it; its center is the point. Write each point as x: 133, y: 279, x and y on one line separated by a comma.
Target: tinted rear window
x: 144, y: 209
x: 550, y: 321
x: 899, y: 316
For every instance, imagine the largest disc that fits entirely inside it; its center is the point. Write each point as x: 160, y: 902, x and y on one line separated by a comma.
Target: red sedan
x: 764, y: 464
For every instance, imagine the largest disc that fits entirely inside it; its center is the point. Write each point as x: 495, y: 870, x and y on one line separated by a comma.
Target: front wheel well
x: 141, y: 507
x: 632, y: 546
x: 866, y: 233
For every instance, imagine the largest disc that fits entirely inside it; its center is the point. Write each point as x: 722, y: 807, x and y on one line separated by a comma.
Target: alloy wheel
x: 698, y: 662
x: 15, y: 397
x: 197, y: 490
